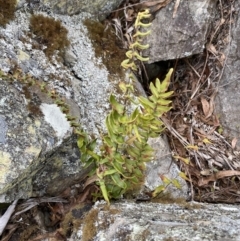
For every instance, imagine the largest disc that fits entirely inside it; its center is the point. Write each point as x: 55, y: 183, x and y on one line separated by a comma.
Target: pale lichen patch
x: 5, y: 162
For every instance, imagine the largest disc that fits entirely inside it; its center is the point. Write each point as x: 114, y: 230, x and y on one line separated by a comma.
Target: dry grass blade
x: 6, y: 216
x: 32, y: 202
x: 176, y: 8
x: 158, y: 3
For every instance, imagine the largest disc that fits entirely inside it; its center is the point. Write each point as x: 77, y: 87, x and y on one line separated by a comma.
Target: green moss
x: 49, y: 32
x: 7, y: 9
x: 89, y: 228
x: 106, y: 46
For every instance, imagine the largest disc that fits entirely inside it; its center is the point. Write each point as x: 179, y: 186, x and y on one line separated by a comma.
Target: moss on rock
x: 49, y: 32
x: 7, y: 9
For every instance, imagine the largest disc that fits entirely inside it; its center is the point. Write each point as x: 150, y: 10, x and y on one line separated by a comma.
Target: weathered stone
x: 99, y: 8
x: 182, y: 36
x: 155, y: 221
x: 227, y: 99
x: 28, y: 141
x: 163, y: 165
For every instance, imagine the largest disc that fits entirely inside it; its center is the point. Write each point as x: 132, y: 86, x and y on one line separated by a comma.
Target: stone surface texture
x: 182, y: 36
x: 163, y: 165
x: 99, y: 8
x: 227, y: 99
x: 38, y: 153
x: 155, y: 221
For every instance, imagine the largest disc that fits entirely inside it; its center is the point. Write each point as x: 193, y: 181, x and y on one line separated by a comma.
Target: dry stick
x: 149, y: 4
x: 174, y: 132
x: 6, y: 216
x: 192, y: 143
x: 176, y: 8
x: 199, y: 79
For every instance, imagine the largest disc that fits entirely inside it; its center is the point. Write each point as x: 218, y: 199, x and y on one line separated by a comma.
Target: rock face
x: 38, y: 152
x: 227, y: 100
x: 152, y: 221
x: 100, y: 8
x: 163, y: 165
x: 180, y: 36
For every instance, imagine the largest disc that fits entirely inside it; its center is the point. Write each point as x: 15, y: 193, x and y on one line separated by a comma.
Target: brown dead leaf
x: 205, y: 106
x: 212, y: 49
x: 218, y: 175
x: 211, y: 105
x: 222, y: 59
x: 234, y: 142
x: 206, y: 172
x: 156, y: 4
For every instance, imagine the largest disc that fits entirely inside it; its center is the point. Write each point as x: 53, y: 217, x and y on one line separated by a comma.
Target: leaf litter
x: 213, y: 171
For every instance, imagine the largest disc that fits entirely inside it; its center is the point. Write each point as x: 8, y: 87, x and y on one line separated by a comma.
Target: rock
x: 182, y: 36
x: 163, y: 165
x: 155, y: 221
x: 227, y: 99
x: 100, y: 8
x: 29, y: 138
x: 38, y: 150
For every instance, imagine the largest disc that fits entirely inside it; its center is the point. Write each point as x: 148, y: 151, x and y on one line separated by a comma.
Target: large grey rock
x: 227, y: 99
x: 155, y: 221
x: 38, y: 153
x: 163, y: 165
x: 100, y: 8
x: 182, y: 36
x: 30, y: 165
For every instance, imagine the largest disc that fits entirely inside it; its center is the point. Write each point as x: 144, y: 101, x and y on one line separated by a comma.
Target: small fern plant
x: 120, y: 164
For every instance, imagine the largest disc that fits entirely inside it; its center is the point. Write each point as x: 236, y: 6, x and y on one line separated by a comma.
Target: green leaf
x: 164, y: 85
x: 80, y: 142
x: 115, y: 105
x: 133, y: 152
x: 153, y: 98
x: 138, y: 45
x: 153, y: 89
x: 93, y: 154
x: 176, y: 183
x: 146, y: 103
x: 139, y: 57
x: 88, y: 161
x: 118, y: 167
x: 103, y: 161
x: 107, y: 140
x: 158, y: 190
x: 109, y: 172
x: 139, y: 145
x: 137, y: 172
x: 165, y: 95
x: 135, y: 128
x: 118, y: 157
x: 141, y: 34
x: 164, y: 102
x: 91, y: 146
x: 118, y: 181
x: 161, y: 110
x: 104, y: 191
x: 130, y: 140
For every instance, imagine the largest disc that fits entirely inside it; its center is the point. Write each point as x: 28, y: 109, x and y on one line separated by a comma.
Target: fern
x: 121, y: 163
